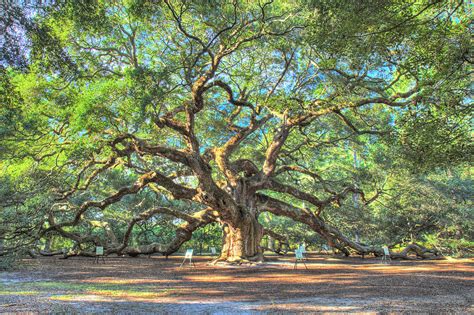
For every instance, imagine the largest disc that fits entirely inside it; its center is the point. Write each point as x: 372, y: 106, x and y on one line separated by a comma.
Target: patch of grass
x: 54, y: 285
x: 13, y: 292
x: 64, y: 291
x: 65, y: 297
x: 74, y: 286
x: 129, y: 293
x: 125, y: 294
x: 69, y: 291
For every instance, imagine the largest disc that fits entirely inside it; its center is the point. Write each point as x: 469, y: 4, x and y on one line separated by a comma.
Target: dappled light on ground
x: 156, y: 284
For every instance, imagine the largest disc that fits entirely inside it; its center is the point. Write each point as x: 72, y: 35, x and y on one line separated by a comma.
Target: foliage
x: 364, y: 98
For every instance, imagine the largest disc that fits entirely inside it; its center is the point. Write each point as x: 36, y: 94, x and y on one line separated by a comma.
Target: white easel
x: 188, y: 255
x: 386, y: 255
x: 299, y: 257
x: 99, y: 253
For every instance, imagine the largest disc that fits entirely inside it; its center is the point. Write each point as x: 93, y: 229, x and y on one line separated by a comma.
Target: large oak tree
x: 223, y: 107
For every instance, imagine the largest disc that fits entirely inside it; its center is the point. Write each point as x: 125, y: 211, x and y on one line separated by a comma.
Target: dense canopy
x: 135, y: 124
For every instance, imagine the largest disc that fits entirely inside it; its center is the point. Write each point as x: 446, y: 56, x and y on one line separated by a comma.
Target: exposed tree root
x: 236, y: 262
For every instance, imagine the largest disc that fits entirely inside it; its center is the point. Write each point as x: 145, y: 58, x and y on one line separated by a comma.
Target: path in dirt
x: 156, y: 285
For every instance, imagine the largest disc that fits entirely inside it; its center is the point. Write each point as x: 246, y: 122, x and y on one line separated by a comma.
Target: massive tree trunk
x: 242, y: 233
x: 242, y: 241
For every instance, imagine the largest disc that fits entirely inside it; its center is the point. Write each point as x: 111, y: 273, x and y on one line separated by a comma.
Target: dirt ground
x: 157, y: 285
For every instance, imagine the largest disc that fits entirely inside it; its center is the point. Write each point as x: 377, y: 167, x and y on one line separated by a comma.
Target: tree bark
x: 241, y: 242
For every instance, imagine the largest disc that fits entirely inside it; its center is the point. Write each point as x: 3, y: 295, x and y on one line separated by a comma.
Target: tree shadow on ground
x: 330, y: 284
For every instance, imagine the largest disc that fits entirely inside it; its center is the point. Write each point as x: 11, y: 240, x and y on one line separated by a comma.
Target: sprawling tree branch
x: 332, y: 235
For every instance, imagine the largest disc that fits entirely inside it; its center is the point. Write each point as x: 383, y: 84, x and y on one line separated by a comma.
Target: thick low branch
x: 321, y: 204
x: 332, y: 235
x: 151, y: 177
x: 145, y: 216
x: 280, y: 208
x: 287, y: 189
x: 183, y: 233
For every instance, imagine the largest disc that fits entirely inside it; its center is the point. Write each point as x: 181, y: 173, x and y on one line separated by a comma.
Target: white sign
x: 189, y: 253
x: 302, y: 249
x: 386, y: 252
x: 99, y: 251
x: 299, y: 254
x: 213, y: 250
